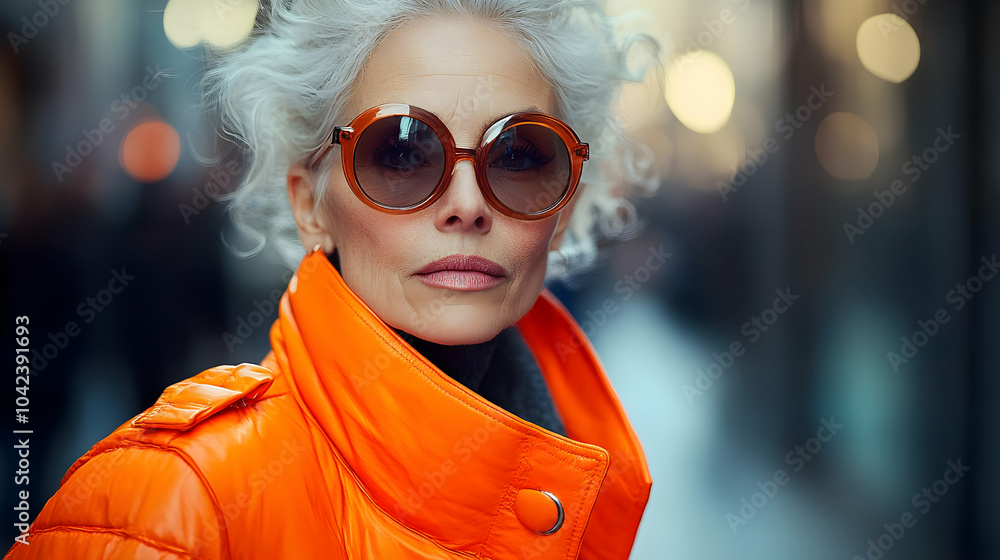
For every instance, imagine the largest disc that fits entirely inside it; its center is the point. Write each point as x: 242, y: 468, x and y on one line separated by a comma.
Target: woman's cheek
x: 531, y: 245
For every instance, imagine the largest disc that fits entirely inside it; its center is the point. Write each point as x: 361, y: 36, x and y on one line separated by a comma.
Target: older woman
x: 424, y: 396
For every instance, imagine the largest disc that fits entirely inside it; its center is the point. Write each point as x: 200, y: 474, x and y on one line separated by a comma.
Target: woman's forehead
x: 465, y: 72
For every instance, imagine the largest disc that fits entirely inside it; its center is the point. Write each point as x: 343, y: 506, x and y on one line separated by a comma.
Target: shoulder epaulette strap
x: 186, y: 403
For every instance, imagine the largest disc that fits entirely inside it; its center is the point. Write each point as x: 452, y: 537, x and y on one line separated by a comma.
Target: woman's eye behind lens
x: 518, y: 155
x: 400, y: 155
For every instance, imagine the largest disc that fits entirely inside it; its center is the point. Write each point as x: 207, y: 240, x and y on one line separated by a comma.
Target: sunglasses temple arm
x: 335, y: 137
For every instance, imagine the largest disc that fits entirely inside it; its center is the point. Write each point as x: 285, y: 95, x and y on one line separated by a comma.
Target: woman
x: 424, y: 397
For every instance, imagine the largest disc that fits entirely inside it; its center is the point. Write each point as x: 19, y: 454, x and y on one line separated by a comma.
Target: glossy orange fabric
x: 346, y: 443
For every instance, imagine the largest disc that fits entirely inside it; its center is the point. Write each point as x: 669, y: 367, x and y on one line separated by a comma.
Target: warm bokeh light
x: 832, y: 25
x: 888, y: 47
x: 149, y: 152
x: 227, y: 29
x: 847, y: 146
x: 700, y: 91
x: 182, y: 23
x: 223, y: 23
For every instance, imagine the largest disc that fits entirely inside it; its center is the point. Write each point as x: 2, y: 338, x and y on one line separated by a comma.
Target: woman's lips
x: 466, y: 273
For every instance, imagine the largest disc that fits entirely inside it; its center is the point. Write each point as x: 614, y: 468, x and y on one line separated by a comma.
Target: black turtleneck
x: 502, y: 370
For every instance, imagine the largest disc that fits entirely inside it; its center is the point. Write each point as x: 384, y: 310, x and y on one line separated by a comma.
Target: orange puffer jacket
x: 346, y: 443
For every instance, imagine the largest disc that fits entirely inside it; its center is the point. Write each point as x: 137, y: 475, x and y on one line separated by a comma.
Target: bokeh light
x: 847, y: 146
x: 700, y: 91
x: 149, y: 152
x: 833, y: 25
x: 182, y: 23
x: 222, y: 23
x: 888, y: 47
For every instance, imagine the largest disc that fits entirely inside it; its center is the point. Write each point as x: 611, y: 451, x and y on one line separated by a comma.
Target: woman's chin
x: 454, y: 327
x: 455, y: 339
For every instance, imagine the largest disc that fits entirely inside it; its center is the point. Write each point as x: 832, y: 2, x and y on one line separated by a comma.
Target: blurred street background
x: 810, y: 371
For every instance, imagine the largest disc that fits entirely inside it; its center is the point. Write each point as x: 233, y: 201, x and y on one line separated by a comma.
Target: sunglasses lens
x: 398, y: 161
x: 528, y: 168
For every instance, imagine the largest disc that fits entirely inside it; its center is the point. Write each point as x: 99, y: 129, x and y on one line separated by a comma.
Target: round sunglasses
x: 399, y: 159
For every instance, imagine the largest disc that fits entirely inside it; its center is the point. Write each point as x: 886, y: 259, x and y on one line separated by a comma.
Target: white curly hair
x: 281, y: 92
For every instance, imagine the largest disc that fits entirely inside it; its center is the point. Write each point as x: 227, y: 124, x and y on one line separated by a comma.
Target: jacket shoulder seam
x: 168, y: 447
x: 129, y: 435
x: 147, y: 540
x: 219, y: 516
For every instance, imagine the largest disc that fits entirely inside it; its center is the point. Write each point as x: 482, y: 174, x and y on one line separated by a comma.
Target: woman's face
x: 470, y: 76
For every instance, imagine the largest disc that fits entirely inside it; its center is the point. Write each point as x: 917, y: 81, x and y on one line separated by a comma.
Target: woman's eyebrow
x: 531, y: 109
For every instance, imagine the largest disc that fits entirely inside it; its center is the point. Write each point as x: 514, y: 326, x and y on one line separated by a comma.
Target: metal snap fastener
x: 539, y: 510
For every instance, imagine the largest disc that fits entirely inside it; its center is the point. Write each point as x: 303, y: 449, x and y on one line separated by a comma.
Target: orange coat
x: 346, y: 443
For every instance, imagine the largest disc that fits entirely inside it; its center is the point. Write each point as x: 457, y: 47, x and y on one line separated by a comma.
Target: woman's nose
x: 462, y: 208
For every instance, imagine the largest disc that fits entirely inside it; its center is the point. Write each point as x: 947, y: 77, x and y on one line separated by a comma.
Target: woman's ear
x: 564, y: 216
x: 308, y: 219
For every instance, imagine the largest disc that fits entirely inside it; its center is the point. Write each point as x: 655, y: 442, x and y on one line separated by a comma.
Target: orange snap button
x: 539, y: 510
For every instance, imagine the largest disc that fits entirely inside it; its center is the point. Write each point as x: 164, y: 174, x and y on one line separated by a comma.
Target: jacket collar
x: 445, y: 461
